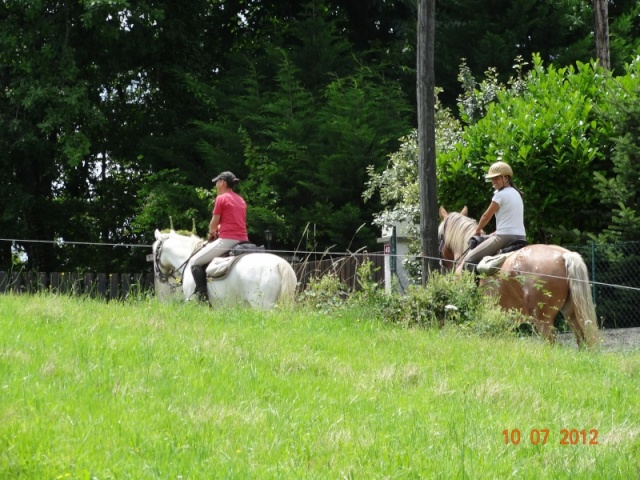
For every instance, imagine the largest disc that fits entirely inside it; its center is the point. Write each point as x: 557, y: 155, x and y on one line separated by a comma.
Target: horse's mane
x: 456, y: 231
x: 196, y: 241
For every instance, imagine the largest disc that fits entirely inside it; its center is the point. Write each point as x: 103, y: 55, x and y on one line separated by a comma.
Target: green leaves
x: 555, y: 130
x: 552, y: 138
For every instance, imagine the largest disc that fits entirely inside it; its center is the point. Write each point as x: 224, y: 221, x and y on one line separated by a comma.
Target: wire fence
x: 614, y: 272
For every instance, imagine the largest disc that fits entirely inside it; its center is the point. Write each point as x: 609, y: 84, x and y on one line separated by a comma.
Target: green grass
x: 147, y: 390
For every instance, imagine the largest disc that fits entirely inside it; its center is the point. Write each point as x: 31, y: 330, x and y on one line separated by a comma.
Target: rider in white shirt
x: 508, y: 208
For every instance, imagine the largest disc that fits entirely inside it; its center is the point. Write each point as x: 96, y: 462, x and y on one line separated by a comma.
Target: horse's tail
x: 584, y: 309
x: 288, y: 282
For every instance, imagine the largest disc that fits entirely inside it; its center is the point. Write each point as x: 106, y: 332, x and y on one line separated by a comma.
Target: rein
x: 164, y: 277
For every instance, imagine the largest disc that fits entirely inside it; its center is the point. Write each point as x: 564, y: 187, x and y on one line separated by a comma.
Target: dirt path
x: 612, y: 339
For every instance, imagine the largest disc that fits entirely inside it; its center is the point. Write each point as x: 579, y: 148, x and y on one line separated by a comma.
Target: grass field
x: 141, y: 390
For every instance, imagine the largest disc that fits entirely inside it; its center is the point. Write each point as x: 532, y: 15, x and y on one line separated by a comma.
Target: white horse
x: 259, y: 280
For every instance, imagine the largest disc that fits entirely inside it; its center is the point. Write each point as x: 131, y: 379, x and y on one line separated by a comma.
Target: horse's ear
x: 158, y: 234
x: 464, y: 211
x: 443, y: 213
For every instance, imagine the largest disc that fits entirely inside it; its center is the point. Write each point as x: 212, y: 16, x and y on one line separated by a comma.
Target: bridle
x: 175, y: 273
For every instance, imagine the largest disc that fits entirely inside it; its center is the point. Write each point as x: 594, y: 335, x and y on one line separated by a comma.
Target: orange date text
x: 541, y: 436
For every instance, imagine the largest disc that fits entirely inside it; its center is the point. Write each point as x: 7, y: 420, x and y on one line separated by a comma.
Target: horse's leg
x: 544, y: 317
x: 188, y: 283
x: 547, y: 330
x: 542, y: 308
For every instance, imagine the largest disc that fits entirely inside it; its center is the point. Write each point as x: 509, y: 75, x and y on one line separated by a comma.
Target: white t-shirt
x: 510, y: 215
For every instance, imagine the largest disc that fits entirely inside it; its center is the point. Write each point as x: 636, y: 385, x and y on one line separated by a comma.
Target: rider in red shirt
x: 227, y: 228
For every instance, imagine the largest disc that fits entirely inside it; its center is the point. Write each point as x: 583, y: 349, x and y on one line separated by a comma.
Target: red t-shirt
x: 233, y: 216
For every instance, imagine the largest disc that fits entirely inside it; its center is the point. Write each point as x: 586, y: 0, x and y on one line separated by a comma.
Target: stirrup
x: 202, y: 297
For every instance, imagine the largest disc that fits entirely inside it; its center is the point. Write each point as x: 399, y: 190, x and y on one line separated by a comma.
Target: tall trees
x: 310, y: 114
x: 493, y: 33
x: 93, y: 92
x: 115, y: 114
x: 601, y: 32
x: 46, y: 108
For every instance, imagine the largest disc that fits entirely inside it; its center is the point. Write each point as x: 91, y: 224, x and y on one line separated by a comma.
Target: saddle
x: 491, y: 264
x: 221, y: 266
x: 245, y: 247
x: 513, y: 246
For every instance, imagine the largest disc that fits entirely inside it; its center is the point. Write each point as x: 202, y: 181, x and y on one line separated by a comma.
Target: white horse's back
x: 259, y: 280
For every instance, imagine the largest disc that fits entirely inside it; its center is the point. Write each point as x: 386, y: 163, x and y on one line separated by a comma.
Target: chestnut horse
x: 538, y: 280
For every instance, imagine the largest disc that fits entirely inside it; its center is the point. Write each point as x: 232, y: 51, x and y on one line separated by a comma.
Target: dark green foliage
x: 490, y: 34
x: 307, y: 139
x: 99, y: 98
x: 620, y: 188
x: 624, y: 32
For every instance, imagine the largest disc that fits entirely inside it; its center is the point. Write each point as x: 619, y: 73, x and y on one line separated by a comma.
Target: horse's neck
x: 464, y: 234
x: 180, y: 252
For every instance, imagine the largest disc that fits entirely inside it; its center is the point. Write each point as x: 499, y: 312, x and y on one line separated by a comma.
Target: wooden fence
x: 111, y: 286
x: 345, y: 268
x: 118, y: 286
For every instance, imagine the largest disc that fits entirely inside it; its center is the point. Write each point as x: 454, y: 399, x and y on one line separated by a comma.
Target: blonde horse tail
x: 580, y: 292
x: 288, y: 283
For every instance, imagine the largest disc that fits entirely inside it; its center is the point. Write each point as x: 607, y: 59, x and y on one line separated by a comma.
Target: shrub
x: 325, y: 293
x: 454, y: 301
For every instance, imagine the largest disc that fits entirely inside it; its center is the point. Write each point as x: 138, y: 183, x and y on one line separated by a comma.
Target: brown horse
x: 537, y: 280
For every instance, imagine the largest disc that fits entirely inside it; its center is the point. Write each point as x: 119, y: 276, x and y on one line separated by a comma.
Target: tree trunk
x: 601, y: 20
x: 427, y: 137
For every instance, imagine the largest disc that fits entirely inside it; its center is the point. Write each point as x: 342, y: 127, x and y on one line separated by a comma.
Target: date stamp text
x: 540, y: 436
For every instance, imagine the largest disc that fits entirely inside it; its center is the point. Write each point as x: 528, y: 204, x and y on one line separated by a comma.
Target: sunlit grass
x: 90, y: 389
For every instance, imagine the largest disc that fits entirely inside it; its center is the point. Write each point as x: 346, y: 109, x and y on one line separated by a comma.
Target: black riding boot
x: 473, y: 268
x: 200, y: 277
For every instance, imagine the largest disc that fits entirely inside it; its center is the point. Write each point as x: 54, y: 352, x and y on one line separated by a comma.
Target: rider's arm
x: 486, y: 216
x: 213, y: 227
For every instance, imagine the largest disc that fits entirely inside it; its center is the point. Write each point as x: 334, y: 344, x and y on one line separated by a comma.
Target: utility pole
x: 427, y: 137
x: 601, y: 21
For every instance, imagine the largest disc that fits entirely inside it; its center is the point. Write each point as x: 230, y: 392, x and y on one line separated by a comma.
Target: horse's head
x: 171, y: 251
x: 454, y: 232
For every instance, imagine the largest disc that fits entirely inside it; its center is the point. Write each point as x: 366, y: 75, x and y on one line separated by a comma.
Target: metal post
x: 268, y: 236
x: 394, y: 249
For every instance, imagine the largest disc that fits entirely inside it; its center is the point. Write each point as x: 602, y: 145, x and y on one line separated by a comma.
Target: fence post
x: 102, y: 285
x: 114, y: 278
x: 594, y: 288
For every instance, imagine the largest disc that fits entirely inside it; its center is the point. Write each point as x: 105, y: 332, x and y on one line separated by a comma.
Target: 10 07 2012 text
x: 540, y: 436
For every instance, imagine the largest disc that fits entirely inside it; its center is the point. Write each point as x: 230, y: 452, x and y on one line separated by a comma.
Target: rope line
x: 546, y: 275
x: 64, y: 242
